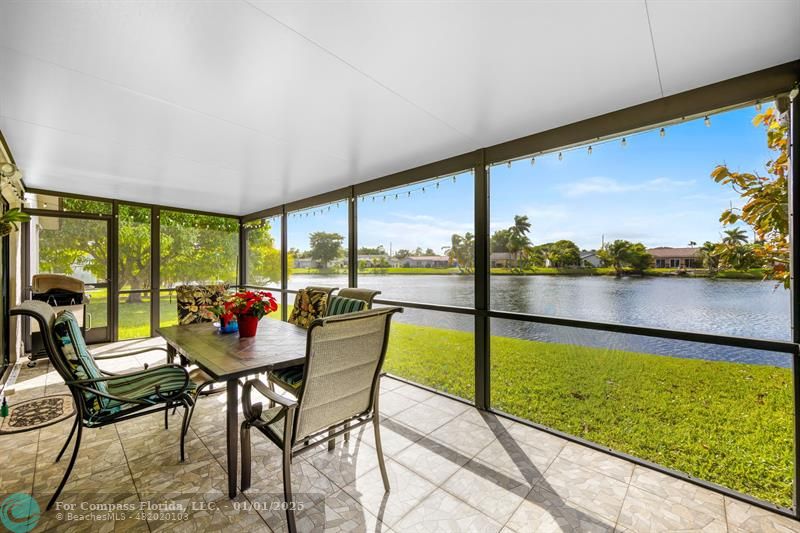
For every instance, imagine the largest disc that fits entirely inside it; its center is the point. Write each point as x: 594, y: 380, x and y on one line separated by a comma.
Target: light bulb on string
x: 409, y: 194
x: 589, y: 150
x: 437, y: 184
x: 707, y: 122
x: 758, y: 106
x: 454, y: 179
x: 624, y: 142
x: 508, y: 164
x: 396, y: 196
x: 560, y: 156
x: 533, y: 161
x: 662, y: 132
x: 423, y: 189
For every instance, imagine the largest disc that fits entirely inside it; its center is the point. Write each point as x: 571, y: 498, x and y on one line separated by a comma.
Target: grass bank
x: 728, y: 423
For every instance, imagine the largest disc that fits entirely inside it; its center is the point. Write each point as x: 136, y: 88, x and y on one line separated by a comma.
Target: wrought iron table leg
x: 232, y: 429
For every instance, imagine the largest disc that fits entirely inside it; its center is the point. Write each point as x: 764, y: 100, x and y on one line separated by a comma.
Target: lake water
x: 728, y: 307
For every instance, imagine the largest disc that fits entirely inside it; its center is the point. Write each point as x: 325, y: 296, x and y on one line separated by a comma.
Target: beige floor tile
x: 745, y: 517
x: 407, y: 489
x: 163, y: 472
x: 443, y: 403
x: 395, y: 437
x: 532, y: 437
x: 432, y: 460
x: 422, y: 418
x: 79, y: 520
x: 388, y: 383
x: 678, y: 491
x: 598, y: 461
x: 411, y: 392
x: 543, y: 511
x: 391, y: 403
x: 485, y: 419
x: 201, y: 514
x: 19, y: 462
x: 645, y: 512
x: 463, y: 436
x: 517, y: 460
x: 94, y: 456
x: 345, y: 464
x: 584, y: 487
x: 493, y: 493
x: 153, y: 442
x: 441, y: 512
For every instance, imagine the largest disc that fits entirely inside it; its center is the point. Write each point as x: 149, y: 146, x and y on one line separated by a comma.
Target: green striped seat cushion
x: 169, y: 379
x: 339, y: 305
x: 291, y: 378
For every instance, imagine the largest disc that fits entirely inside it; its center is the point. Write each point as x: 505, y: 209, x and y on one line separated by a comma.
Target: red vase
x: 248, y: 325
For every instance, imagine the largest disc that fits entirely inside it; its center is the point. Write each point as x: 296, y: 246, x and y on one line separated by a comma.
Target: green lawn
x: 727, y: 423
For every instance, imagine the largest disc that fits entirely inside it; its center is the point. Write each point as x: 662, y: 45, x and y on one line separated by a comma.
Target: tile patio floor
x: 452, y: 469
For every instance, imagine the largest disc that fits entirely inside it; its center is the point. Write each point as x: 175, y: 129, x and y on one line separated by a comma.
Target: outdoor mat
x: 37, y: 413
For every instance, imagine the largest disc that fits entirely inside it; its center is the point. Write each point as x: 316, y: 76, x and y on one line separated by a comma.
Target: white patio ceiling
x: 234, y: 106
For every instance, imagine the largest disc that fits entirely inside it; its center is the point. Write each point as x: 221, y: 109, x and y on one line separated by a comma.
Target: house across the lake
x: 590, y: 259
x: 502, y: 260
x: 423, y: 261
x: 666, y: 257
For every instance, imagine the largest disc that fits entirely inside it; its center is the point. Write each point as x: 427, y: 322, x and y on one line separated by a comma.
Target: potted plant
x: 248, y: 308
x: 10, y: 219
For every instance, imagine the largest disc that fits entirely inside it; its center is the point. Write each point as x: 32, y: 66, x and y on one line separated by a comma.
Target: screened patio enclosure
x: 587, y: 211
x: 556, y: 366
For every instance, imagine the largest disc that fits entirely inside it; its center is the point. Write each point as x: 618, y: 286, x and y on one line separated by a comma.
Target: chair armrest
x: 117, y: 355
x: 252, y: 411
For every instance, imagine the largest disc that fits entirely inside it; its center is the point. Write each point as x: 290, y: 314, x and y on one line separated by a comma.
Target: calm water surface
x: 729, y: 307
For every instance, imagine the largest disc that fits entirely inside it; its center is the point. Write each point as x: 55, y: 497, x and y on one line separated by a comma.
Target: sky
x: 655, y: 190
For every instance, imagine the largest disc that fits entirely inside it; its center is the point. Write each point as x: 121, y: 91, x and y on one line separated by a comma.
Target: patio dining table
x: 228, y: 357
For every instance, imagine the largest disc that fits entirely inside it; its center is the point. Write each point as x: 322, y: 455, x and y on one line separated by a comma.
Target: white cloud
x: 604, y: 185
x: 411, y: 231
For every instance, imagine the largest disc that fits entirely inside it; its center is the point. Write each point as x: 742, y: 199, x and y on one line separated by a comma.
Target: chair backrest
x: 344, y: 357
x: 339, y: 305
x: 69, y: 356
x: 328, y: 290
x: 195, y: 302
x: 366, y: 295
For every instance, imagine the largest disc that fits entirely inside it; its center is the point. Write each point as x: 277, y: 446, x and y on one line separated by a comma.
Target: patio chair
x: 103, y: 398
x: 340, y: 391
x: 367, y: 295
x: 346, y: 301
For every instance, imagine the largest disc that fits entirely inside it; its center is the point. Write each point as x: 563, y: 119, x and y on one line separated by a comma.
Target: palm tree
x: 735, y: 236
x: 692, y: 244
x: 518, y: 240
x: 709, y: 255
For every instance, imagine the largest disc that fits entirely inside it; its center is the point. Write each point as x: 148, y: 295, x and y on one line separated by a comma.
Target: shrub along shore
x: 752, y: 274
x: 728, y: 423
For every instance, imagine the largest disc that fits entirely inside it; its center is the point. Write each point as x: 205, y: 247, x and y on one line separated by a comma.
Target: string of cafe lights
x: 382, y: 195
x: 624, y: 138
x: 435, y: 183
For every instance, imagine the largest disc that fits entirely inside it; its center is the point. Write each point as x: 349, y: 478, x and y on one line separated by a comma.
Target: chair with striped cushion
x: 103, y: 398
x: 341, y: 306
x: 291, y: 378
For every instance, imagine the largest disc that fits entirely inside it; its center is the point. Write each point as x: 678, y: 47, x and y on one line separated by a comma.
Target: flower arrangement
x: 247, y: 308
